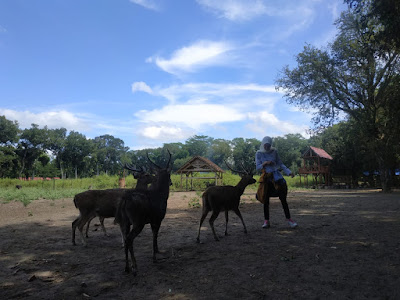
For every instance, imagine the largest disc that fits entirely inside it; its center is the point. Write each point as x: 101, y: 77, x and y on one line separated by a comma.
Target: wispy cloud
x: 141, y: 86
x: 262, y: 120
x: 198, y: 55
x: 51, y: 119
x: 197, y: 107
x: 149, y: 4
x: 192, y: 115
x: 212, y: 91
x: 2, y: 29
x: 235, y: 10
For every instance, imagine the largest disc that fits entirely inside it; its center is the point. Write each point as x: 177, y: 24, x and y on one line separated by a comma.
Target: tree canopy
x: 353, y: 79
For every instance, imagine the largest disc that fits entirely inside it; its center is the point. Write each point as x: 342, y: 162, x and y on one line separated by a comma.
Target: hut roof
x: 316, y: 152
x: 199, y: 164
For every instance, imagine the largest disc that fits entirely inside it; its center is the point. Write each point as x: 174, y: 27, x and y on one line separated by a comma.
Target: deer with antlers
x: 103, y: 203
x: 225, y: 198
x: 138, y: 208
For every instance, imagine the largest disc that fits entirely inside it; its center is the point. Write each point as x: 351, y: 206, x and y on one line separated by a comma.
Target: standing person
x: 271, y: 181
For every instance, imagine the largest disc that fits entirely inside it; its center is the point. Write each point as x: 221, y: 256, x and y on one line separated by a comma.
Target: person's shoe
x: 291, y: 223
x: 266, y: 224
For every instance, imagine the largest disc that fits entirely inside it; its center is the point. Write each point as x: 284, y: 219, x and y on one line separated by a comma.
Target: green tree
x: 56, y: 141
x: 109, y: 151
x: 244, y: 152
x: 8, y: 162
x: 290, y: 149
x: 198, y: 145
x: 30, y: 146
x: 342, y: 142
x: 220, y: 150
x: 386, y: 15
x: 77, y: 147
x: 8, y: 131
x: 352, y: 78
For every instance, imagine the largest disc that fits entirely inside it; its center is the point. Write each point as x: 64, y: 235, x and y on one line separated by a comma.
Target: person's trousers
x: 282, y: 194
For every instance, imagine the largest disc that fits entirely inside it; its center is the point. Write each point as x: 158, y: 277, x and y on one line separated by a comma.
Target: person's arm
x: 259, y: 162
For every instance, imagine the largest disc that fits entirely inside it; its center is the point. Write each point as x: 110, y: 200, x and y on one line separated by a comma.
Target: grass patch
x: 68, y: 188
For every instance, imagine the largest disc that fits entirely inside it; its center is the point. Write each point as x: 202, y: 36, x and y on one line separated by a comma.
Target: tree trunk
x: 384, y: 174
x: 76, y: 172
x: 62, y: 171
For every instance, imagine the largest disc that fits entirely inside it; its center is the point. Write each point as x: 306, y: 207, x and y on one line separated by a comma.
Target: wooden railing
x: 314, y: 170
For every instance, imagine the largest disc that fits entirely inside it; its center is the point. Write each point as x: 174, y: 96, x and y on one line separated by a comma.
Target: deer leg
x: 102, y: 226
x: 155, y: 227
x: 203, y: 216
x: 212, y: 219
x: 82, y: 222
x: 237, y: 211
x: 129, y: 247
x: 74, y: 224
x: 226, y: 222
x: 87, y: 226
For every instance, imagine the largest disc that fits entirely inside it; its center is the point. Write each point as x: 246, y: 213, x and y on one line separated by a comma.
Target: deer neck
x: 241, y: 186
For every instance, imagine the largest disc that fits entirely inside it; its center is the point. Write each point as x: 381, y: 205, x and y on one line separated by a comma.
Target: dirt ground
x: 346, y: 247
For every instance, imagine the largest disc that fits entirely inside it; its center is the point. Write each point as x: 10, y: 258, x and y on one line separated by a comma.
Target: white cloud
x: 192, y: 115
x: 141, y: 86
x: 149, y: 4
x: 2, y: 29
x: 51, y: 119
x: 213, y: 91
x: 165, y: 133
x: 235, y: 10
x: 263, y: 120
x: 198, y: 55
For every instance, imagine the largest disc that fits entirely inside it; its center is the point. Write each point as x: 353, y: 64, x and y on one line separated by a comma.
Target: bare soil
x: 346, y: 247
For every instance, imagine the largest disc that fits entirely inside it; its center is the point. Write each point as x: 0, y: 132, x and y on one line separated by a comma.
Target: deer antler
x: 132, y: 168
x: 169, y: 160
x: 240, y: 172
x: 147, y: 154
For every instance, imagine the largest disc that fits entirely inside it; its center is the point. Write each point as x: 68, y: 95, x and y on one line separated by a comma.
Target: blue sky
x: 152, y: 72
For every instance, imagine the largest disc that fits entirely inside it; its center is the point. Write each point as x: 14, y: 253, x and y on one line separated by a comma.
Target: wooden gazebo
x: 199, y: 164
x: 316, y: 161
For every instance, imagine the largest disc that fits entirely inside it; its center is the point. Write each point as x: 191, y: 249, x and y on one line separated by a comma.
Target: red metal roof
x: 318, y: 152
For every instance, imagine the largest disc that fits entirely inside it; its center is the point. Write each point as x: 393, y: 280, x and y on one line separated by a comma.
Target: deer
x: 143, y: 179
x: 103, y: 203
x: 138, y: 208
x: 225, y: 198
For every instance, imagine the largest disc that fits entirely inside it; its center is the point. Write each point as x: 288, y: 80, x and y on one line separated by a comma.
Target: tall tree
x: 290, y: 148
x: 109, y: 151
x: 30, y: 146
x: 198, y: 145
x: 220, y: 150
x: 353, y: 78
x: 387, y: 13
x: 8, y: 131
x: 8, y: 137
x: 244, y: 152
x: 77, y: 147
x: 56, y: 141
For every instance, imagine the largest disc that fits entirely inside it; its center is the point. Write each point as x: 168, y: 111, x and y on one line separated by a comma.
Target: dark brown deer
x: 143, y: 180
x: 138, y: 208
x: 225, y: 198
x: 103, y: 203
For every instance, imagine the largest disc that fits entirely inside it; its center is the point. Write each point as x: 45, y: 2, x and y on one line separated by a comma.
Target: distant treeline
x: 44, y: 152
